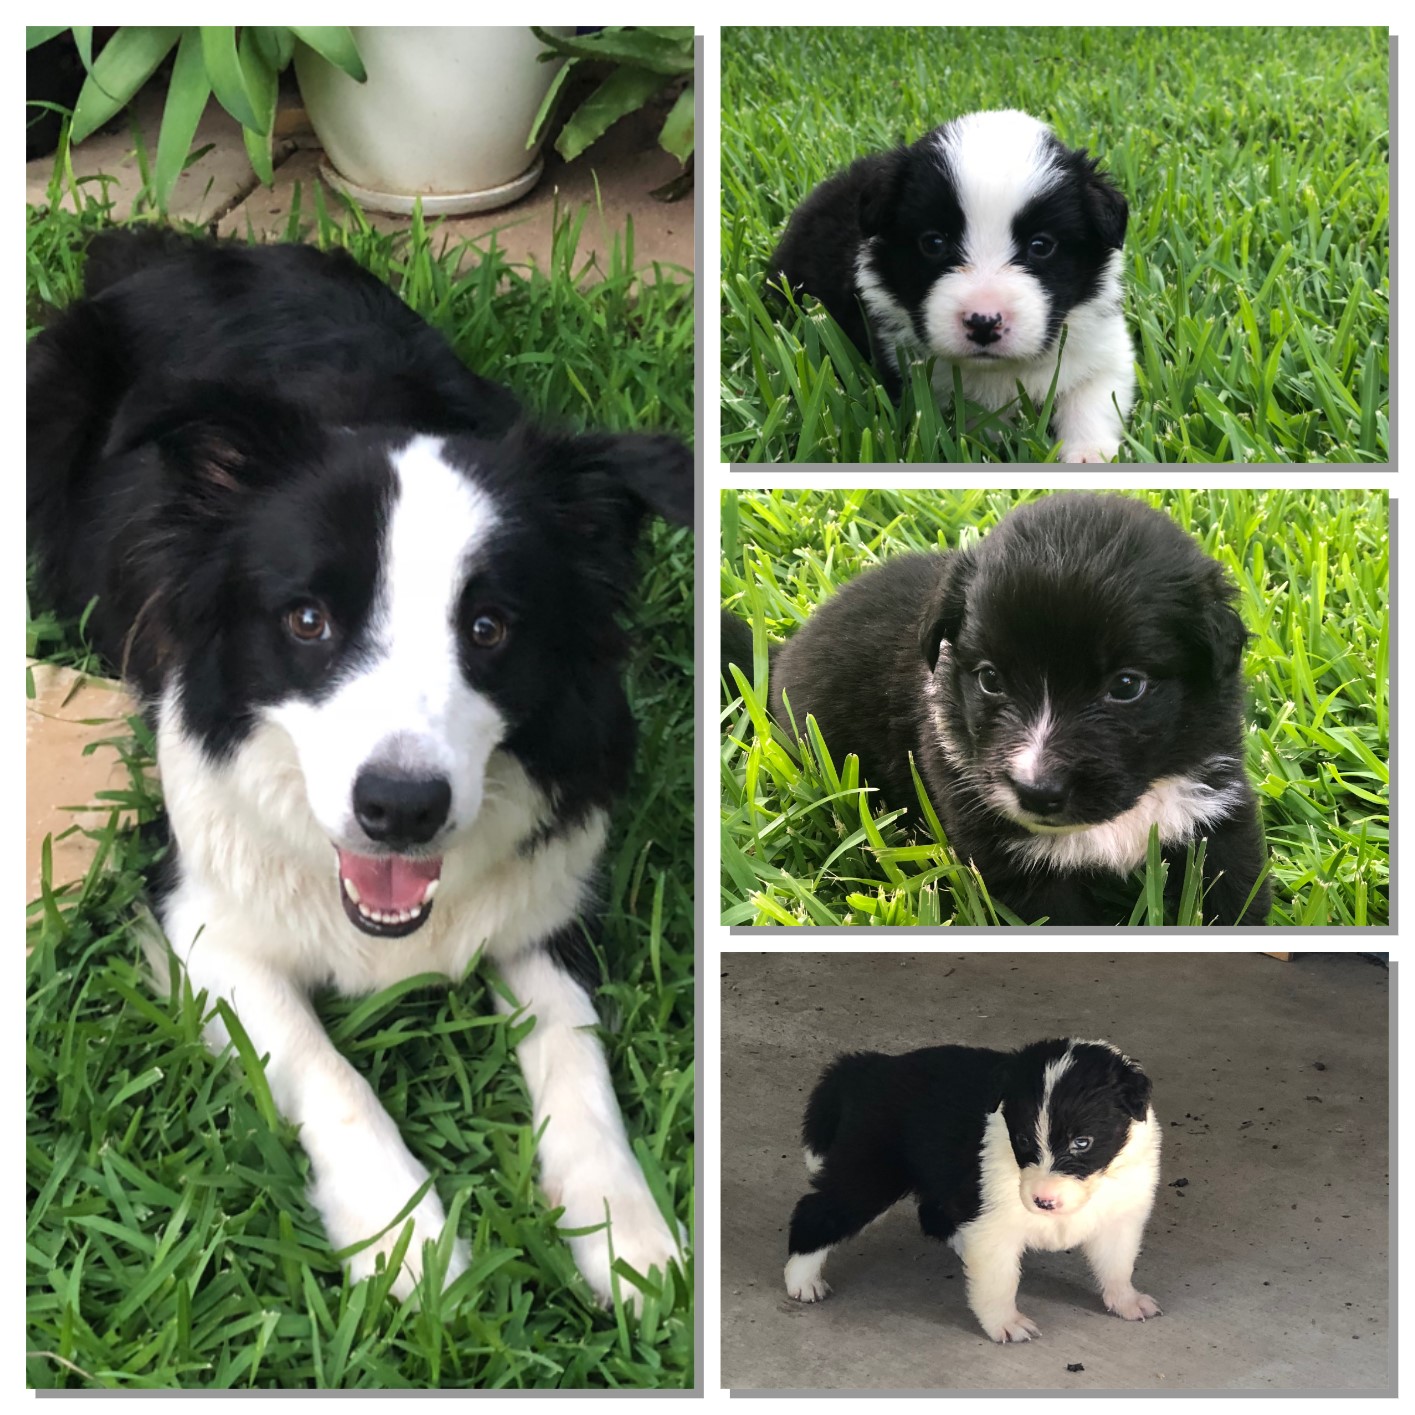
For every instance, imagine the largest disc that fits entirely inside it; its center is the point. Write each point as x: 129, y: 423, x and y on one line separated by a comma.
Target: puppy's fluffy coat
x: 1054, y: 1146
x: 1065, y: 684
x: 974, y: 246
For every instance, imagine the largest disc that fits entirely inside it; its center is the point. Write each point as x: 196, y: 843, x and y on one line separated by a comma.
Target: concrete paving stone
x: 1271, y: 1263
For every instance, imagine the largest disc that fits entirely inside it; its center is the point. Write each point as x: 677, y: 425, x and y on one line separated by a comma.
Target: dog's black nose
x: 1043, y: 797
x: 401, y: 810
x: 1048, y: 1204
x: 983, y: 328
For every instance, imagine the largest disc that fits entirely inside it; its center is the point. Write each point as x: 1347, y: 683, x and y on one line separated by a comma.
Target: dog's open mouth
x: 388, y: 896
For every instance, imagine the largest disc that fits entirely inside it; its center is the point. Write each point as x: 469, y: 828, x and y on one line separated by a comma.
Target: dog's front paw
x: 1133, y: 1306
x: 1088, y: 454
x: 637, y: 1232
x: 357, y: 1206
x: 804, y: 1280
x: 1015, y: 1327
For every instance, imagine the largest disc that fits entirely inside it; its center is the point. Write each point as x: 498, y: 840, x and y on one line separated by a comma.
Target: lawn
x: 801, y: 841
x: 170, y: 1242
x: 1256, y: 164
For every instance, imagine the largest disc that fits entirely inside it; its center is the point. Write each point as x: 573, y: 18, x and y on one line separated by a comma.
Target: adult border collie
x: 974, y: 247
x: 1063, y: 685
x: 372, y: 615
x: 1054, y: 1146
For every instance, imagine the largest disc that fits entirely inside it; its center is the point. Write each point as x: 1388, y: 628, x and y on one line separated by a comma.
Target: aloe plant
x: 239, y: 65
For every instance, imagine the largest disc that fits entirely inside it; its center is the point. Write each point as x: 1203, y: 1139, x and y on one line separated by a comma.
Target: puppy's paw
x: 637, y: 1233
x: 804, y: 1280
x: 1133, y: 1306
x: 1015, y: 1327
x: 1088, y: 454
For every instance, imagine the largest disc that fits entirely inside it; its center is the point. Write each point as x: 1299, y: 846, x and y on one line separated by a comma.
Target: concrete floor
x: 1271, y: 1263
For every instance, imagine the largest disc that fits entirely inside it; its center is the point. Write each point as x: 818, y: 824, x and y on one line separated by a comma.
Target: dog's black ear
x: 1109, y: 211
x: 616, y: 479
x: 1224, y: 636
x: 943, y: 615
x: 1133, y: 1088
x: 879, y: 187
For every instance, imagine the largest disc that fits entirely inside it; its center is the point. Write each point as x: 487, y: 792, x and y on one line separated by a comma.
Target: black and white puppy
x: 371, y: 615
x: 974, y: 247
x: 1054, y: 1146
x: 1063, y: 685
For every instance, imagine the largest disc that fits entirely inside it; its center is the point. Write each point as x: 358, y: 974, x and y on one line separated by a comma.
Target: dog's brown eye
x: 1041, y: 246
x: 309, y: 624
x: 488, y: 629
x: 932, y: 244
x: 990, y: 680
x: 1126, y: 687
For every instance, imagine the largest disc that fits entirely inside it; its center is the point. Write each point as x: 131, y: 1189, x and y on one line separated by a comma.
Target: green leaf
x: 263, y: 83
x: 125, y: 65
x: 35, y: 35
x: 638, y: 49
x: 187, y: 97
x: 548, y: 105
x: 228, y: 78
x: 275, y: 44
x: 622, y: 92
x: 335, y: 43
x: 677, y: 134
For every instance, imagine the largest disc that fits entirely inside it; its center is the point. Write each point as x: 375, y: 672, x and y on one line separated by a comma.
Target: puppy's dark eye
x: 990, y: 680
x: 1041, y: 246
x: 1126, y: 687
x: 932, y: 245
x: 488, y: 629
x: 1081, y: 1144
x: 309, y: 623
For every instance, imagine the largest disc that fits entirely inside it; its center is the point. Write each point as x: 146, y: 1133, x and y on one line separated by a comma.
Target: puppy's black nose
x: 401, y: 810
x: 1042, y: 797
x: 1048, y: 1204
x: 983, y: 328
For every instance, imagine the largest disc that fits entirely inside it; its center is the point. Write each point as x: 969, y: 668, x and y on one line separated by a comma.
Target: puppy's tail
x: 834, y: 1092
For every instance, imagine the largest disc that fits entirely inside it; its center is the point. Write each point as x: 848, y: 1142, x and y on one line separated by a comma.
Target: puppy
x: 1070, y: 681
x: 373, y: 617
x: 1054, y: 1146
x: 975, y: 247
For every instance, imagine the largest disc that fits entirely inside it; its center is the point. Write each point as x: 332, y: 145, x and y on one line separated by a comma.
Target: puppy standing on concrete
x: 1054, y: 1146
x: 974, y: 247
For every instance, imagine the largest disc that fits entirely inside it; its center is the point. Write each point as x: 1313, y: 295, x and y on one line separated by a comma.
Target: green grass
x: 170, y: 1242
x: 1256, y: 164
x: 802, y: 842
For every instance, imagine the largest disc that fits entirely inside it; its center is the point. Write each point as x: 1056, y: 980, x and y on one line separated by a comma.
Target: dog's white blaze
x: 1024, y: 763
x: 1181, y: 806
x: 1053, y: 1073
x: 408, y: 706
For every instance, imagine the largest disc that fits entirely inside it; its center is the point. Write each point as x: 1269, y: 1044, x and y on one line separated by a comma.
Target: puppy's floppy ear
x: 1218, y: 625
x: 611, y: 481
x: 1106, y: 205
x: 878, y: 190
x: 1132, y: 1088
x: 943, y: 615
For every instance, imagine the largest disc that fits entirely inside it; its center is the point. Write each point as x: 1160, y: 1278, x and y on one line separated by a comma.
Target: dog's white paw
x: 1132, y: 1305
x: 804, y: 1280
x: 1088, y: 454
x: 1015, y: 1327
x: 637, y: 1231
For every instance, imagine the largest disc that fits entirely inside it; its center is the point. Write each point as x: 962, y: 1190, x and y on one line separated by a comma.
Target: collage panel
x: 1012, y: 1171
x: 978, y: 707
x: 1158, y: 244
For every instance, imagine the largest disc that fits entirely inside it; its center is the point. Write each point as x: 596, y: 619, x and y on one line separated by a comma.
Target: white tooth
x: 430, y: 890
x: 351, y: 891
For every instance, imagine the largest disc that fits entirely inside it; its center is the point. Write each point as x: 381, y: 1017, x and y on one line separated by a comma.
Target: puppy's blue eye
x: 932, y: 244
x: 1081, y: 1144
x: 1041, y: 246
x: 990, y: 680
x: 1126, y: 687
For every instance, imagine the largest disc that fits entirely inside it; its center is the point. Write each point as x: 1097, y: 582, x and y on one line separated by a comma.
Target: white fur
x: 1023, y: 766
x: 1181, y: 806
x: 1105, y: 1216
x: 256, y: 917
x: 999, y: 161
x: 805, y: 1279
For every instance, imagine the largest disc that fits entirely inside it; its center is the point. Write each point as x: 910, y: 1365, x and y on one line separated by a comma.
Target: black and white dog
x: 372, y: 616
x: 1063, y: 685
x: 974, y: 247
x: 1054, y: 1146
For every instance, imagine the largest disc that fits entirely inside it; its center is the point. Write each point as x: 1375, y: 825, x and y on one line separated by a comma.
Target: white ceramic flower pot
x: 444, y: 116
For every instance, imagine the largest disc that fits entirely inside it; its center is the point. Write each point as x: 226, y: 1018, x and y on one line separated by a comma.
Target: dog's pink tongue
x: 390, y: 884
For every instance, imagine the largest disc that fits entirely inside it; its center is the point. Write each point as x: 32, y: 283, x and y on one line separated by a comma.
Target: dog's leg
x: 586, y: 1165
x: 992, y: 1265
x: 1085, y: 421
x: 823, y: 1220
x: 363, y: 1172
x: 1111, y: 1254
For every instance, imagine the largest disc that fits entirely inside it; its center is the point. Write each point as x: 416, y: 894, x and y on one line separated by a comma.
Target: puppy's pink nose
x: 1050, y: 1205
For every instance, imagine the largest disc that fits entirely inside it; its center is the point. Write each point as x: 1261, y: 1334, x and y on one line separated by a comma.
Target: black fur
x: 1063, y: 596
